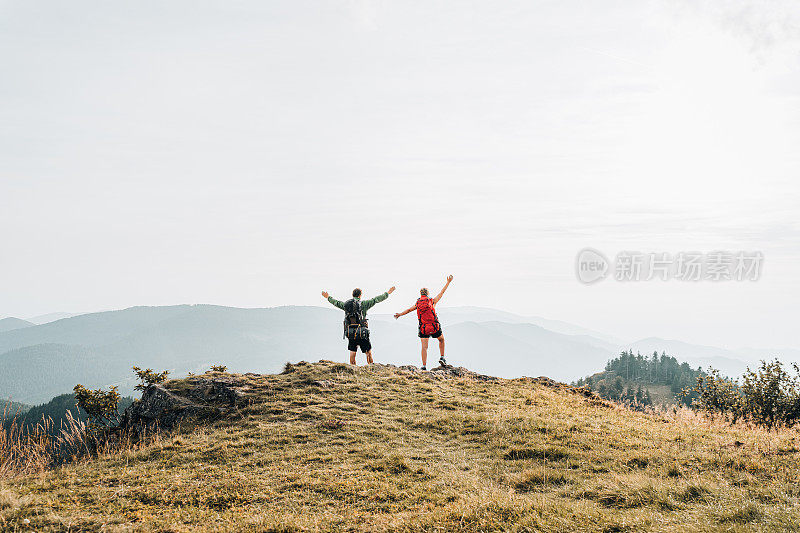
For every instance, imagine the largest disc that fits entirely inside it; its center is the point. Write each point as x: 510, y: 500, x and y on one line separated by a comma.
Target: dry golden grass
x: 29, y: 449
x: 377, y: 449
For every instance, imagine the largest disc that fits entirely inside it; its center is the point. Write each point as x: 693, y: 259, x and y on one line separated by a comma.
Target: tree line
x: 767, y: 396
x: 626, y: 377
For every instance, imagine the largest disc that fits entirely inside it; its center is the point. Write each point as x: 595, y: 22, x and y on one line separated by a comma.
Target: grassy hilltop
x: 330, y: 447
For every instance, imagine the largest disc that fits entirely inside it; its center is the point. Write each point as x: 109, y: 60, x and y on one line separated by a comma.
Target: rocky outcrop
x: 459, y: 372
x: 162, y: 408
x: 215, y: 390
x: 158, y: 409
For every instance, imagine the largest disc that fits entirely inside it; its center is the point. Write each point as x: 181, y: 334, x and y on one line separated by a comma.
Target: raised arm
x: 333, y: 300
x: 378, y: 299
x: 441, y: 292
x: 398, y: 315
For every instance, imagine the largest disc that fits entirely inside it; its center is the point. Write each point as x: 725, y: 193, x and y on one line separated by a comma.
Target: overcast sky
x: 253, y: 153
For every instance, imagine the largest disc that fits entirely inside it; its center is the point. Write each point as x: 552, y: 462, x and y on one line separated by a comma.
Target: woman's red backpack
x: 428, y: 321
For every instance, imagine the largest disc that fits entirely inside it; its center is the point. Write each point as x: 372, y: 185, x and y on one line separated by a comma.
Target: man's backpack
x: 355, y: 325
x: 426, y: 314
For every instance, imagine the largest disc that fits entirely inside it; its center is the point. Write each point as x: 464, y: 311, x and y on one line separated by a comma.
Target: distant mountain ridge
x: 470, y: 313
x: 51, y: 317
x: 37, y: 373
x: 11, y: 323
x: 98, y: 349
x: 38, y: 362
x: 513, y: 350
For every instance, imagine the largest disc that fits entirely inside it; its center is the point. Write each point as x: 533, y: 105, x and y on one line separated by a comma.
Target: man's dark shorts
x: 364, y: 344
x: 436, y: 334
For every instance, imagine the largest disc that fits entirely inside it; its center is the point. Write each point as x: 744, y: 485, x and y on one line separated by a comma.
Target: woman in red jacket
x: 428, y: 321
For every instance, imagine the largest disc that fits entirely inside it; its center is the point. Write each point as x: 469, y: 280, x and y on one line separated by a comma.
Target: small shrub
x: 716, y: 395
x: 768, y: 396
x: 219, y: 368
x: 771, y: 395
x: 100, y: 406
x: 149, y: 377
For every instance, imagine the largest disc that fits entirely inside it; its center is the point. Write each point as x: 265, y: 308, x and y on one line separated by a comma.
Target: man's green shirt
x: 365, y: 305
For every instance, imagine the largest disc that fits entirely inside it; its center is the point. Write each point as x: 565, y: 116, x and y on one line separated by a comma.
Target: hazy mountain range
x: 11, y: 323
x: 51, y: 317
x: 38, y: 362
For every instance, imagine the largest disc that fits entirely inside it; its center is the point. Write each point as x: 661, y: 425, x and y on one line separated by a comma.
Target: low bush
x: 768, y: 396
x: 149, y: 377
x: 101, y: 406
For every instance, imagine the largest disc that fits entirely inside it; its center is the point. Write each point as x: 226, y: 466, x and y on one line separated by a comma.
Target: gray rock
x: 459, y: 372
x: 161, y: 409
x: 215, y: 390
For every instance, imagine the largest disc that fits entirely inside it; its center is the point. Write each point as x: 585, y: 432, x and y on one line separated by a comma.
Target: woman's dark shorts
x: 436, y: 334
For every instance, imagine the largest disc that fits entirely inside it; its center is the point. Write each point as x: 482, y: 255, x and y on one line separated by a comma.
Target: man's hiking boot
x: 423, y: 368
x: 442, y: 362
